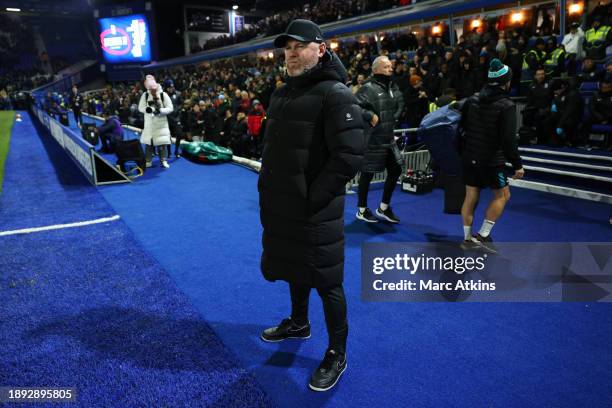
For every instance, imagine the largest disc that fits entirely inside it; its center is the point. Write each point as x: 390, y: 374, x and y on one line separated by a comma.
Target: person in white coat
x: 155, y: 105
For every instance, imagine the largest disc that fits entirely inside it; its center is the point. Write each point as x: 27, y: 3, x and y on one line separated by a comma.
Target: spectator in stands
x: 465, y: 81
x: 226, y: 131
x: 174, y: 118
x: 156, y: 105
x: 490, y: 126
x: 573, y: 43
x: 447, y: 98
x: 236, y: 101
x: 597, y: 38
x: 600, y: 109
x: 590, y: 72
x: 539, y: 100
x: 383, y: 106
x: 239, y: 136
x: 533, y: 60
x: 196, y: 121
x: 254, y: 119
x: 212, y: 122
x: 567, y: 108
x: 416, y: 102
x: 358, y: 83
x: 76, y: 103
x: 110, y: 132
x: 554, y: 65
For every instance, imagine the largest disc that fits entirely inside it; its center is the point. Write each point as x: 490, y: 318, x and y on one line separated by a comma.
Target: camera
x: 152, y: 108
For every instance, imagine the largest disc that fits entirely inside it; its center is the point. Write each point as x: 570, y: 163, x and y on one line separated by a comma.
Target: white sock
x: 467, y: 232
x: 362, y: 209
x: 486, y: 228
x: 384, y: 206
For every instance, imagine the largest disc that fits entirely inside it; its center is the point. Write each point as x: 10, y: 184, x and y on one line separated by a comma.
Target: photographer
x: 110, y: 132
x: 156, y: 106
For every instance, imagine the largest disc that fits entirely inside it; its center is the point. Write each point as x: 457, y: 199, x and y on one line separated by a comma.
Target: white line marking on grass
x: 60, y: 226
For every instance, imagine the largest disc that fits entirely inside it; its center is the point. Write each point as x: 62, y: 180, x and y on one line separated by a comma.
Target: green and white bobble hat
x: 498, y: 72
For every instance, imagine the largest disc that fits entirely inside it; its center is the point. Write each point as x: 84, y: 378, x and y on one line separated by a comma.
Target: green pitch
x: 6, y: 124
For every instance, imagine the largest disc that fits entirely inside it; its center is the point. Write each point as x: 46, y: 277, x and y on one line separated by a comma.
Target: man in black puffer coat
x: 313, y: 146
x: 383, y: 105
x: 489, y: 120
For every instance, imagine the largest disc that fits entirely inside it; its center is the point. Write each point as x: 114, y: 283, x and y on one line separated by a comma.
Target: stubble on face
x: 300, y: 57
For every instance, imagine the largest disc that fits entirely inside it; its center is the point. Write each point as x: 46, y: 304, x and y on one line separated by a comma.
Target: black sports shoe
x: 329, y: 371
x: 287, y: 329
x: 470, y: 244
x: 387, y: 215
x: 486, y: 242
x: 366, y: 215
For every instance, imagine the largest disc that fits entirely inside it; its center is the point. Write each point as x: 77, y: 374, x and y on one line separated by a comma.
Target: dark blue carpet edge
x: 103, y: 246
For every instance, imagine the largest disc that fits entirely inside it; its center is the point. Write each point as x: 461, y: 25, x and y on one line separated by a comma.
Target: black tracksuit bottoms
x: 394, y: 171
x: 334, y: 307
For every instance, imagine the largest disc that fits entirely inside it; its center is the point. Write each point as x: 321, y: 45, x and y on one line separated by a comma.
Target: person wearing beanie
x: 383, y: 105
x: 156, y: 105
x: 489, y: 121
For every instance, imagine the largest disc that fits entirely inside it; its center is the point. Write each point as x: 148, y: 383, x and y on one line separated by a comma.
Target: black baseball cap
x: 300, y: 30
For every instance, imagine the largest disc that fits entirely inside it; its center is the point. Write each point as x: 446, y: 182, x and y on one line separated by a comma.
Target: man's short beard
x: 304, y: 70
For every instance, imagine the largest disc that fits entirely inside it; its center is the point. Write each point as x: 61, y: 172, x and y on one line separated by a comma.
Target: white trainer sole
x: 384, y: 217
x: 277, y: 341
x: 362, y: 218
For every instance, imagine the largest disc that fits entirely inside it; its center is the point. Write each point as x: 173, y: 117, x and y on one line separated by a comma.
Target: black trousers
x: 78, y: 116
x: 394, y: 171
x: 334, y: 307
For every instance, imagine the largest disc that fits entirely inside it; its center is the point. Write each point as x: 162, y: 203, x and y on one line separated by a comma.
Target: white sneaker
x: 165, y: 164
x: 149, y: 164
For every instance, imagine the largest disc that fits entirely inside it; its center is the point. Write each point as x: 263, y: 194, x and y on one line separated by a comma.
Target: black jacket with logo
x: 313, y: 146
x: 382, y: 97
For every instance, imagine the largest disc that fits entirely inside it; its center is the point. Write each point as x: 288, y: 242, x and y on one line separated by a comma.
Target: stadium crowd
x: 225, y: 102
x: 321, y: 12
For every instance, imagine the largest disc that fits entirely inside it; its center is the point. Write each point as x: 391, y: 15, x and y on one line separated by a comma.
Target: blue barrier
x: 97, y: 170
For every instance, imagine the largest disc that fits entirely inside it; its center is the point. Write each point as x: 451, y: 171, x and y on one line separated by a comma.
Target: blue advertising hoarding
x: 125, y: 39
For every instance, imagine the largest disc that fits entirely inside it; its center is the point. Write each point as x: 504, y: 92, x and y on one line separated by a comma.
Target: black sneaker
x: 287, y: 329
x: 366, y: 216
x: 329, y: 371
x: 486, y: 242
x: 471, y: 244
x: 387, y: 215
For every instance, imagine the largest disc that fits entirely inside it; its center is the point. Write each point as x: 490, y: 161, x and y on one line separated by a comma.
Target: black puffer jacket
x: 489, y: 120
x: 313, y: 146
x: 382, y: 97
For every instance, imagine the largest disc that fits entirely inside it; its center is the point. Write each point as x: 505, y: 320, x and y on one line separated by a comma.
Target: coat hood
x: 491, y: 93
